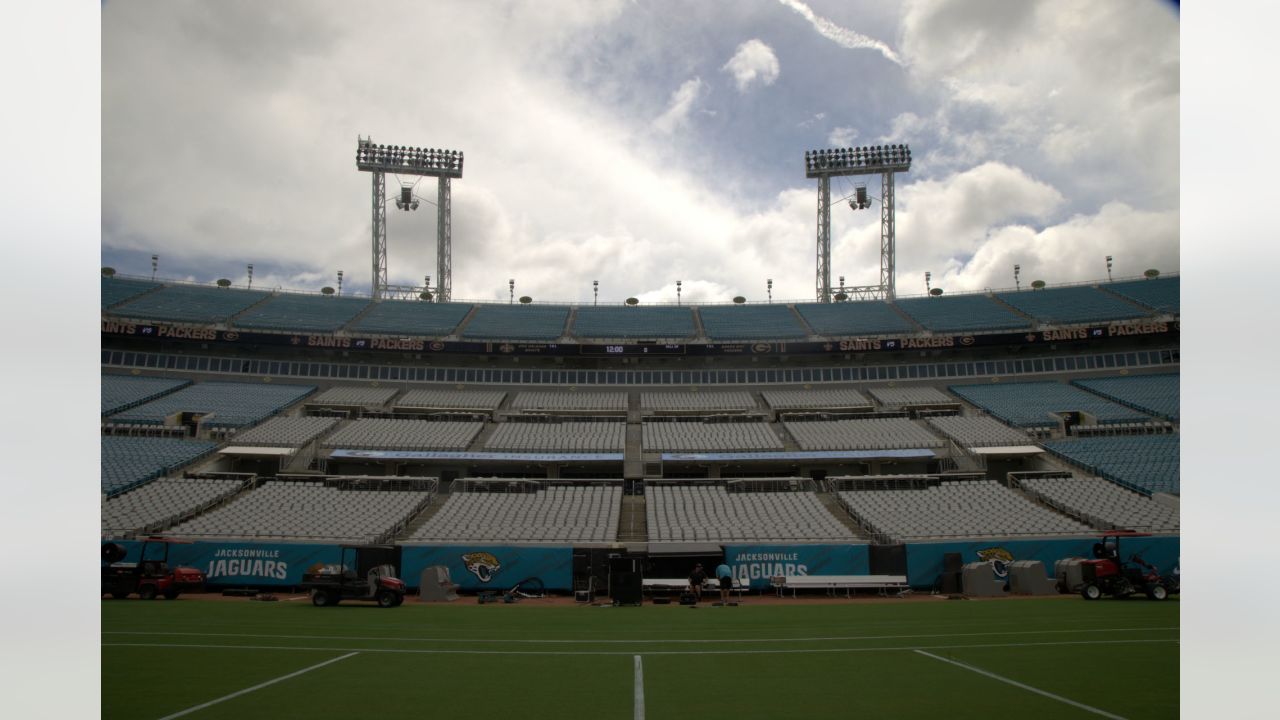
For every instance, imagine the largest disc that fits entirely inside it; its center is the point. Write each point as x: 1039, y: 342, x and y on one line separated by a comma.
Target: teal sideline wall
x: 924, y: 560
x: 755, y: 564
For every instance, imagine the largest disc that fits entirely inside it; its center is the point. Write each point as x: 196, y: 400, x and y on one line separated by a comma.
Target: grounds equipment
x: 364, y: 572
x: 1109, y: 574
x: 150, y: 577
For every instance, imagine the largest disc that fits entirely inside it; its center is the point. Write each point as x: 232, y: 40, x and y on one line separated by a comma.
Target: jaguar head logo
x: 999, y: 559
x: 482, y: 564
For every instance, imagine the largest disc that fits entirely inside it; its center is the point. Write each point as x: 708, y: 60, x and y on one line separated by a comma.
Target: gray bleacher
x: 671, y: 323
x: 451, y: 399
x: 1154, y: 394
x: 121, y: 392
x: 229, y: 404
x: 285, y: 431
x: 130, y: 461
x: 117, y: 290
x: 569, y: 400
x: 979, y: 431
x: 300, y: 313
x: 862, y: 434
x: 1160, y: 294
x: 710, y: 513
x: 563, y: 437
x: 349, y: 396
x: 414, y: 318
x: 517, y: 322
x: 307, y: 510
x: 962, y: 313
x: 818, y: 398
x: 557, y: 513
x: 1033, y: 404
x: 1104, y: 504
x: 970, y: 508
x: 1071, y: 305
x: 709, y: 436
x: 854, y: 318
x: 683, y: 400
x: 1146, y: 463
x: 160, y: 501
x: 395, y: 434
x: 900, y: 397
x: 750, y: 322
x: 190, y: 303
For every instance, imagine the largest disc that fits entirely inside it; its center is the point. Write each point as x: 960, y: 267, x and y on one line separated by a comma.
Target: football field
x: 1042, y: 658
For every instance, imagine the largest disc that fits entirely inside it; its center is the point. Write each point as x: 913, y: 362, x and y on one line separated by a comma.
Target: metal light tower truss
x: 444, y: 165
x: 882, y: 160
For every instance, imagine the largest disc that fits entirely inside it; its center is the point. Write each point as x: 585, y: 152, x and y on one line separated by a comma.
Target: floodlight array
x: 855, y: 160
x: 408, y: 160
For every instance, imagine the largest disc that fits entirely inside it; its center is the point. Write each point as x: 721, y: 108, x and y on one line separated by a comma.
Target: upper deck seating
x: 301, y: 313
x: 451, y: 399
x: 1103, y: 503
x: 117, y: 290
x: 120, y: 392
x: 969, y: 508
x: 709, y: 436
x: 394, y: 434
x: 818, y: 398
x: 558, y: 514
x: 561, y: 437
x: 679, y: 400
x: 517, y: 322
x: 868, y: 434
x: 979, y: 431
x: 162, y: 500
x: 190, y: 303
x: 900, y: 397
x: 633, y: 322
x: 286, y: 431
x: 130, y: 461
x: 354, y: 396
x: 749, y: 322
x: 1162, y: 294
x: 228, y: 404
x: 1080, y: 304
x: 1033, y: 404
x: 874, y: 317
x: 570, y: 400
x: 961, y: 313
x: 1154, y: 394
x: 414, y: 318
x: 711, y: 513
x: 1146, y: 463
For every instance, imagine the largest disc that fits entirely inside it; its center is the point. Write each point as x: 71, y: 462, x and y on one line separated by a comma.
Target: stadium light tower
x: 443, y: 165
x: 250, y: 276
x: 883, y: 160
x: 595, y: 292
x: 155, y: 265
x: 1108, y: 268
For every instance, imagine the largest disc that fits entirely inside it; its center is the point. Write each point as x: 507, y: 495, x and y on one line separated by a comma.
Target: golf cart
x: 364, y: 572
x: 1108, y: 574
x: 150, y: 577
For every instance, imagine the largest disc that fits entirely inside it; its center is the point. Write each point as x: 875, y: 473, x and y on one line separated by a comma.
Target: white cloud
x: 753, y: 62
x: 842, y: 136
x: 842, y: 36
x: 678, y: 108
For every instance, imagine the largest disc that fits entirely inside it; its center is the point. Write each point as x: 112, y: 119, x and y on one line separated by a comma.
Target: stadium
x: 344, y: 493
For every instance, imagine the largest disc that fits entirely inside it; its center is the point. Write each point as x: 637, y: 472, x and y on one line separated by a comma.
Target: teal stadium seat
x: 1032, y: 404
x: 131, y: 461
x: 633, y: 322
x: 117, y: 290
x: 854, y: 318
x: 120, y: 392
x: 301, y: 313
x: 517, y: 322
x: 750, y: 322
x: 232, y: 404
x: 1154, y: 394
x: 1160, y: 294
x: 961, y: 313
x: 1072, y: 305
x: 1146, y: 463
x: 190, y: 303
x: 412, y: 317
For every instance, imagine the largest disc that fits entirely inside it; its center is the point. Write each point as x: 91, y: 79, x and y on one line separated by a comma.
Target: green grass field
x: 1049, y: 658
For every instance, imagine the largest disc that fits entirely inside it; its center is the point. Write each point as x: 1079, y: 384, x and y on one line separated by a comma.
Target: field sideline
x: 1049, y: 658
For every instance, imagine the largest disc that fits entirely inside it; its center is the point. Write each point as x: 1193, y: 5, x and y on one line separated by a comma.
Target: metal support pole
x: 379, y: 235
x: 824, y: 239
x: 887, y: 236
x: 444, y: 240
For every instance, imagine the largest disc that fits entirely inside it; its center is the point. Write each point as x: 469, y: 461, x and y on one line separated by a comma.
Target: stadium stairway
x: 131, y: 298
x: 566, y: 332
x: 466, y: 320
x: 346, y: 327
x: 808, y: 330
x: 838, y: 511
x: 1143, y: 308
x: 1033, y: 322
x: 698, y: 332
x: 633, y: 523
x: 437, y: 501
x: 482, y: 438
x: 231, y: 321
x: 916, y: 327
x: 788, y: 441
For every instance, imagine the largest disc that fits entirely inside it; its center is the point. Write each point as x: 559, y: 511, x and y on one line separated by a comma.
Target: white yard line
x: 259, y: 686
x: 1024, y: 686
x: 639, y: 701
x: 407, y: 651
x: 679, y: 641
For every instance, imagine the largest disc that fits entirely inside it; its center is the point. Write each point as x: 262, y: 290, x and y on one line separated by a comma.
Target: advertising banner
x: 924, y: 560
x: 755, y: 564
x: 491, y: 567
x: 241, y: 564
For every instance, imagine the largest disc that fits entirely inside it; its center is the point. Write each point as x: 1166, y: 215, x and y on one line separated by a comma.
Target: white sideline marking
x: 406, y: 651
x: 639, y: 711
x: 1015, y: 683
x: 259, y: 686
x: 680, y: 641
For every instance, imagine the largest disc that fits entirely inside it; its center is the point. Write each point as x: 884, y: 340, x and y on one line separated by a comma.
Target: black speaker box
x: 952, y: 562
x: 888, y: 559
x: 627, y: 588
x: 949, y: 583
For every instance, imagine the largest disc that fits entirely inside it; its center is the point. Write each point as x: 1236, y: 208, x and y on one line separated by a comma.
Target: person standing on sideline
x: 725, y: 575
x: 696, y: 579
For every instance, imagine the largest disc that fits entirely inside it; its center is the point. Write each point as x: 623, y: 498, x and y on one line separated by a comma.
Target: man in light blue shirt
x: 725, y: 575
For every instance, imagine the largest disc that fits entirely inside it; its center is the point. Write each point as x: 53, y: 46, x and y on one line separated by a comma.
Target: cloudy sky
x: 637, y: 143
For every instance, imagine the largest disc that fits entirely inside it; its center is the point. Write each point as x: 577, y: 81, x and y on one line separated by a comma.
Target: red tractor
x: 1108, y: 574
x: 151, y: 576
